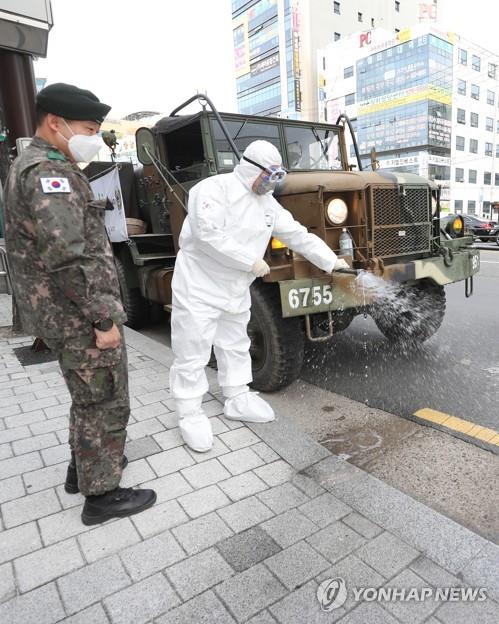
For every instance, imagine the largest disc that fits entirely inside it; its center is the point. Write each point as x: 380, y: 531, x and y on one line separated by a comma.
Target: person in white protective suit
x: 231, y: 219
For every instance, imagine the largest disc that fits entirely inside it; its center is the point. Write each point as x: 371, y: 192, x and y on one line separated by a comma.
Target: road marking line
x: 458, y: 425
x: 488, y: 262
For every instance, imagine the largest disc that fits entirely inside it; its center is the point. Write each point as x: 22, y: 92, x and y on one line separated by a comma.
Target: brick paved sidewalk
x: 244, y: 533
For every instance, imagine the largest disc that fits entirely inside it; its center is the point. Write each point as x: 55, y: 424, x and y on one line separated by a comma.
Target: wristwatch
x: 104, y: 325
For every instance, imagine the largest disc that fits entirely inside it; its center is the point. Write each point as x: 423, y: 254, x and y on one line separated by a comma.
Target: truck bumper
x: 339, y: 292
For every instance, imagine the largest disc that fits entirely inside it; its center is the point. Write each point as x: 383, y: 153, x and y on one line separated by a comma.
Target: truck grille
x: 400, y: 221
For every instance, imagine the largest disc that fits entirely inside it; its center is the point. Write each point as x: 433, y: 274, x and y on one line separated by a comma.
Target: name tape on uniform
x: 55, y: 185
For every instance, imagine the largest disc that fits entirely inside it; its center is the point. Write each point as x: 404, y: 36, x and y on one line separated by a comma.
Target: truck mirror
x: 146, y: 149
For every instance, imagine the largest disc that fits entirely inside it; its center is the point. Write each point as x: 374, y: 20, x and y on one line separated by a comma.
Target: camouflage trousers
x: 99, y: 415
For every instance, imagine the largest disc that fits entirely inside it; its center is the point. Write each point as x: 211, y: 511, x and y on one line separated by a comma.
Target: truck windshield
x: 312, y: 148
x: 242, y: 132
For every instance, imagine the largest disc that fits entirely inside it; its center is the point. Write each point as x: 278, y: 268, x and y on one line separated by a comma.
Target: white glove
x: 341, y: 264
x: 260, y: 268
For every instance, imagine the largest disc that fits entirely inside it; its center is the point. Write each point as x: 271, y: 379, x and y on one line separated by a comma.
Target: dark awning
x: 170, y: 124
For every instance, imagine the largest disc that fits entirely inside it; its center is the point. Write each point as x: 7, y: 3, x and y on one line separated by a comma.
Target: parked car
x: 494, y: 234
x: 480, y: 228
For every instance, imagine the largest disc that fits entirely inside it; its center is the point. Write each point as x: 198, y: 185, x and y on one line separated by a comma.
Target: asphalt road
x: 456, y: 371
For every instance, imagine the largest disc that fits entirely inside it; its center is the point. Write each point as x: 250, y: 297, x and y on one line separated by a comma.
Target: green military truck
x: 393, y: 220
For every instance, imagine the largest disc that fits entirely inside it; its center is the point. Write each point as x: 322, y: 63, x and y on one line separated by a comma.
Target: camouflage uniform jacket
x: 60, y: 258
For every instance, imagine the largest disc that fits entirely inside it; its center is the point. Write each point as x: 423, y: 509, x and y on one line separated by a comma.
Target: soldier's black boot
x: 71, y: 485
x: 116, y: 504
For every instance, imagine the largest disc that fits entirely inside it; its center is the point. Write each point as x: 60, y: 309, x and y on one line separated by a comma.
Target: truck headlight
x: 336, y: 211
x: 434, y: 204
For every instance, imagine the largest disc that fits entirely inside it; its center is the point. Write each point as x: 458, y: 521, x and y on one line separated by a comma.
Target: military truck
x: 393, y: 220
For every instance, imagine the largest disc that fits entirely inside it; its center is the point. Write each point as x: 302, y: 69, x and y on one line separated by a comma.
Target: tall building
x: 427, y: 101
x: 276, y: 43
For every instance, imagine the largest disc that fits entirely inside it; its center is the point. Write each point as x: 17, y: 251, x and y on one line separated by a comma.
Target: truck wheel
x: 414, y: 315
x: 277, y: 344
x: 136, y: 307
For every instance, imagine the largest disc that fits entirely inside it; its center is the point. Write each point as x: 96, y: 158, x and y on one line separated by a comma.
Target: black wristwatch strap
x: 104, y: 325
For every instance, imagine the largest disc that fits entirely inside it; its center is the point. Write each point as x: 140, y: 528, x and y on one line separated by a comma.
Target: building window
x: 475, y: 62
x: 459, y: 174
x: 488, y: 149
x: 491, y: 97
x: 372, y: 22
x: 348, y: 72
x: 473, y: 146
x: 472, y: 176
x: 460, y: 143
x: 324, y: 63
x: 487, y: 178
x: 397, y: 6
x: 337, y: 8
x: 497, y: 150
x: 486, y: 206
x: 461, y: 116
x: 489, y: 124
x: 397, y: 30
x: 475, y: 92
x: 349, y: 99
x: 337, y: 36
x: 492, y: 70
x: 458, y: 206
x: 471, y: 206
x: 463, y: 57
x: 461, y: 87
x: 360, y: 17
x: 496, y: 179
x: 474, y: 120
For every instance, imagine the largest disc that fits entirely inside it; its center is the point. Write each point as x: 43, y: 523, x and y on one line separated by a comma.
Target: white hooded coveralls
x: 227, y: 229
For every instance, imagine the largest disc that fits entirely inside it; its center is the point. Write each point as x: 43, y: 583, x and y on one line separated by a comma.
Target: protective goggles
x: 276, y: 173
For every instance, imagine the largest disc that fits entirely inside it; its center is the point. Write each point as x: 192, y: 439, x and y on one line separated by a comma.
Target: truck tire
x: 415, y: 315
x: 277, y: 344
x: 136, y: 307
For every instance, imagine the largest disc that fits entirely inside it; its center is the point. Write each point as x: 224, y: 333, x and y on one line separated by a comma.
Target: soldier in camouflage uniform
x: 67, y: 291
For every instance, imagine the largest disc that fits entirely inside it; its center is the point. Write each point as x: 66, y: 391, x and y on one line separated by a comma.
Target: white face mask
x: 83, y: 148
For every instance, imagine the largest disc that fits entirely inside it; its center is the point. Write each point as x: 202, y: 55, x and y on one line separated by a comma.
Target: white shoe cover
x: 248, y: 407
x: 195, y: 427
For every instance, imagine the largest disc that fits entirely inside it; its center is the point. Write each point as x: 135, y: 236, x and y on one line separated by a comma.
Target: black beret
x: 71, y: 102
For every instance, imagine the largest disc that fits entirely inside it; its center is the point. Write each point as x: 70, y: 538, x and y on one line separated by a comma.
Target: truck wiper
x: 319, y: 140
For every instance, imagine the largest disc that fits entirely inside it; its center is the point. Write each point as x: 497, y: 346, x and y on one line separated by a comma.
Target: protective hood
x: 263, y: 153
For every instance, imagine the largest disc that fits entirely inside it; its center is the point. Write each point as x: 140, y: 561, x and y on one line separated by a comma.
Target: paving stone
x: 387, y: 554
x: 41, y: 403
x: 370, y: 612
x: 9, y: 435
x: 248, y: 548
x: 213, y: 408
x: 169, y: 439
x: 170, y: 461
x: 19, y: 541
x: 245, y: 514
x: 203, y: 609
x: 203, y: 501
x: 45, y: 478
x: 217, y: 426
x: 483, y: 570
x: 433, y: 573
x: 411, y: 612
x: 207, y: 473
x: 264, y: 451
x: 5, y: 451
x: 356, y: 574
x: 307, y: 485
x: 296, y: 565
x: 262, y: 618
x: 153, y: 397
x: 218, y: 448
x: 241, y: 461
x: 136, y: 472
x: 325, y: 509
x: 11, y: 488
x: 41, y: 606
x: 242, y: 486
x: 362, y: 525
x: 289, y: 527
x: 56, y: 454
x: 201, y: 533
x: 62, y: 525
x: 141, y: 602
x: 302, y: 606
x: 168, y: 419
x: 251, y: 591
x: 30, y: 507
x: 7, y: 582
x: 68, y: 500
x: 17, y: 399
x: 90, y: 584
x: 48, y: 426
x: 92, y: 615
x: 144, y: 428
x: 336, y: 541
x: 108, y: 539
x: 276, y: 473
x: 151, y: 555
x: 57, y: 410
x: 142, y: 447
x: 469, y: 612
x: 198, y: 573
x: 24, y: 419
x: 159, y: 518
x: 18, y: 465
x: 168, y: 487
x: 145, y: 412
x: 47, y: 564
x: 283, y: 497
x: 239, y: 438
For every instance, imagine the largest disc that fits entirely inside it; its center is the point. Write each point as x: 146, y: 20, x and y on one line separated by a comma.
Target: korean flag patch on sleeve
x: 55, y: 185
